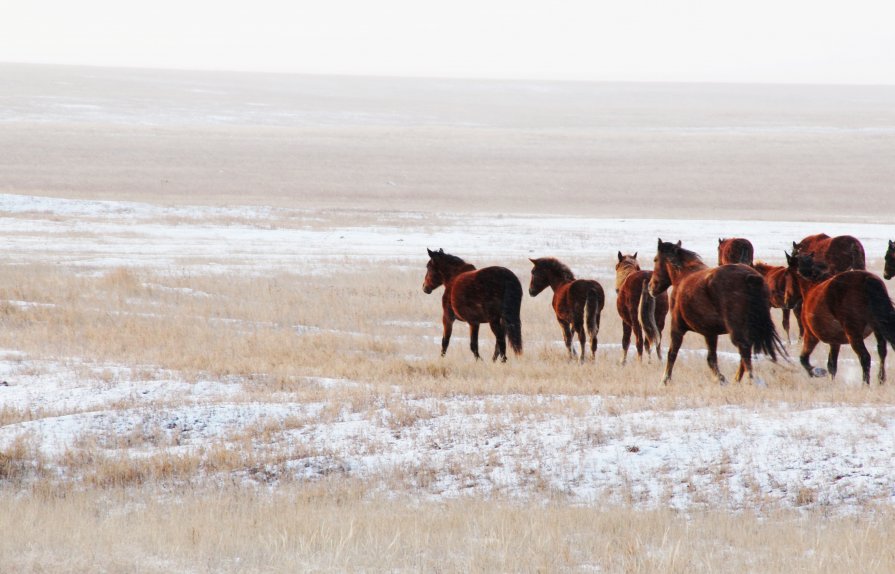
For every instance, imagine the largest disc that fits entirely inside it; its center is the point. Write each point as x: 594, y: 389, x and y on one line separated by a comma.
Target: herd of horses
x: 824, y: 283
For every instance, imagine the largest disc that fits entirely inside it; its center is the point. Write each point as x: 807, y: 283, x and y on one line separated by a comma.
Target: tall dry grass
x: 338, y: 526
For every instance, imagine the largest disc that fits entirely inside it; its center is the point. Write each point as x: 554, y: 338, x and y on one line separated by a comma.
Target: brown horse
x: 839, y: 309
x: 577, y: 302
x: 840, y: 253
x: 491, y: 295
x: 640, y: 312
x: 777, y: 278
x: 729, y: 299
x: 889, y: 270
x: 735, y: 250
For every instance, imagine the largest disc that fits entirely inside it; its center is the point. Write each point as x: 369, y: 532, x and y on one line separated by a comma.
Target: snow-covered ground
x: 731, y: 456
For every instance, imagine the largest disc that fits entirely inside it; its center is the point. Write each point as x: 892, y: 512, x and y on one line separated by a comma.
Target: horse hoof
x: 818, y: 372
x: 722, y: 380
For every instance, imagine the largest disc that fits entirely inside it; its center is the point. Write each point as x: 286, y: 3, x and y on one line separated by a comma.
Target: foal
x: 640, y: 312
x: 577, y: 302
x: 778, y: 279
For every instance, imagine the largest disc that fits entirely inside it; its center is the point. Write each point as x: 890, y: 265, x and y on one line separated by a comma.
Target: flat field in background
x: 231, y: 365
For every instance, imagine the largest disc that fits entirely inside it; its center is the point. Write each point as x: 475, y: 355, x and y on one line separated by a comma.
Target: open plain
x: 218, y: 357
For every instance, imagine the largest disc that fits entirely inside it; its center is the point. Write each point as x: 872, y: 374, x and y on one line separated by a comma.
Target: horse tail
x: 593, y: 306
x: 646, y: 311
x: 882, y: 312
x: 763, y: 335
x: 509, y: 313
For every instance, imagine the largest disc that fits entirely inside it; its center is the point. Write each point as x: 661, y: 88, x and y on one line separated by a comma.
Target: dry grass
x: 336, y: 526
x: 367, y: 325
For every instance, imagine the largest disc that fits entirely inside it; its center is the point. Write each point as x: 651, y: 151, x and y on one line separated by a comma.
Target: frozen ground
x: 732, y: 456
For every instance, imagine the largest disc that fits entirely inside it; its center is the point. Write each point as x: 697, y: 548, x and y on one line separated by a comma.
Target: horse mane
x: 554, y: 265
x: 688, y: 258
x: 450, y: 259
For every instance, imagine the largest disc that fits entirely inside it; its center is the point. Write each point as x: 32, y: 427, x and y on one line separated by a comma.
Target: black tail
x: 646, y: 312
x: 509, y: 313
x: 593, y: 306
x: 882, y: 312
x: 763, y: 335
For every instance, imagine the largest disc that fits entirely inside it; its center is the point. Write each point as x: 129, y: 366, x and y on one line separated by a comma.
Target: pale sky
x: 803, y: 41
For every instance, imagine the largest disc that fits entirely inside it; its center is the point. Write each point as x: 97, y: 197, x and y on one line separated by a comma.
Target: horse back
x: 477, y: 296
x: 707, y: 300
x: 838, y: 304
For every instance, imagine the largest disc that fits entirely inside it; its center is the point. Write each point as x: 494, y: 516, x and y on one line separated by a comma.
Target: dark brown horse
x: 640, y: 312
x: 777, y: 278
x: 729, y: 299
x: 842, y: 309
x: 840, y: 253
x: 889, y: 269
x: 491, y: 295
x: 735, y: 250
x: 577, y: 302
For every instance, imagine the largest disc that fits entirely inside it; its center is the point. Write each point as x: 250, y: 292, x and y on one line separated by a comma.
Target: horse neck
x: 556, y: 280
x: 451, y: 273
x: 688, y: 268
x: 622, y: 274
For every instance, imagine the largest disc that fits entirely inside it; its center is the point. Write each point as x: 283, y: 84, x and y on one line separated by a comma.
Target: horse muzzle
x: 427, y: 289
x: 888, y: 275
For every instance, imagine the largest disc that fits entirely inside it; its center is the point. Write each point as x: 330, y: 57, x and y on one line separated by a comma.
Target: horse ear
x: 533, y: 262
x: 891, y: 244
x: 635, y: 255
x: 794, y: 246
x: 431, y: 253
x: 660, y: 243
x: 678, y: 244
x: 441, y: 251
x: 789, y: 258
x: 620, y: 256
x: 720, y: 241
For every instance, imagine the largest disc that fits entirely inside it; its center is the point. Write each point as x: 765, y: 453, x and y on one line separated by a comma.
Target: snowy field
x: 590, y: 447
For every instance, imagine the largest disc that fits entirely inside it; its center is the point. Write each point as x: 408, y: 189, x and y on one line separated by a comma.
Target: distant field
x: 628, y: 150
x: 218, y: 356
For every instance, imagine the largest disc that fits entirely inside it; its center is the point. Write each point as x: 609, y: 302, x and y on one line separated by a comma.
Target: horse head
x: 539, y: 279
x: 889, y: 270
x: 434, y: 278
x: 626, y: 265
x: 792, y: 290
x: 667, y: 255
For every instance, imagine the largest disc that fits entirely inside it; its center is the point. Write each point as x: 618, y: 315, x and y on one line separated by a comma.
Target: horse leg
x: 474, y: 340
x: 500, y: 344
x: 677, y: 337
x: 567, y: 337
x: 638, y: 339
x: 797, y: 311
x: 786, y: 324
x: 626, y: 341
x: 809, y: 342
x: 711, y: 342
x: 857, y: 344
x: 881, y: 349
x: 833, y: 360
x: 448, y: 322
x: 582, y: 337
